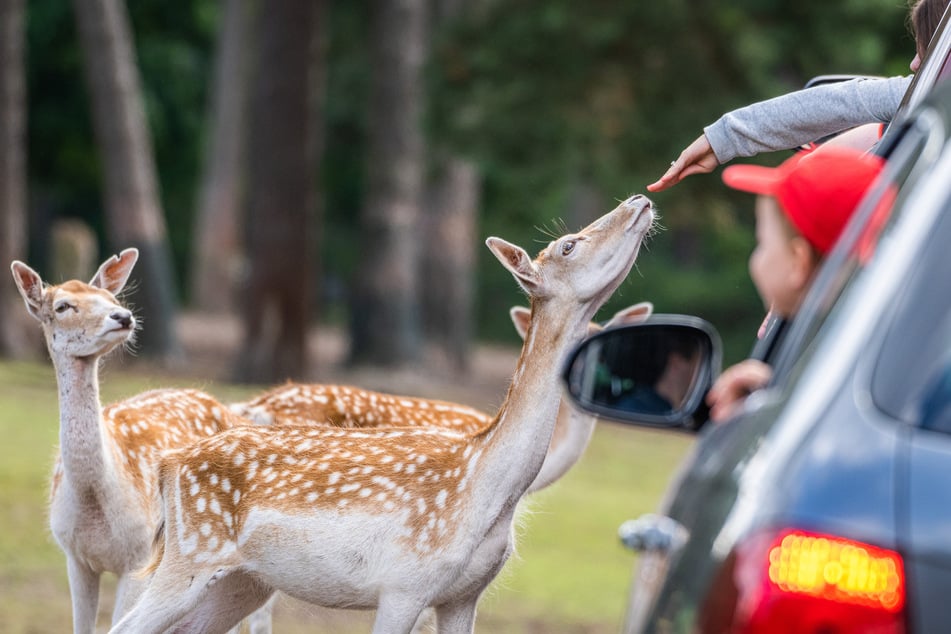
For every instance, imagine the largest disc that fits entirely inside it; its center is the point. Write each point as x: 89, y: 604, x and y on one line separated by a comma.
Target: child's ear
x: 805, y: 262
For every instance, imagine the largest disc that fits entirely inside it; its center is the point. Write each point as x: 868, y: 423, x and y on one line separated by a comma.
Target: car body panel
x: 816, y: 450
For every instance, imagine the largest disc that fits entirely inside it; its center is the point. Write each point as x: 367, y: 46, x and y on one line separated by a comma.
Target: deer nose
x: 640, y: 201
x: 124, y: 318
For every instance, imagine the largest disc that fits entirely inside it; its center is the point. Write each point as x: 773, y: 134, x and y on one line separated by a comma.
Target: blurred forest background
x: 301, y: 164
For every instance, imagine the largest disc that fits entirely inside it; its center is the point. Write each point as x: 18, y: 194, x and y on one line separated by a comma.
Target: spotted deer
x: 395, y: 519
x: 350, y: 406
x: 354, y: 407
x: 104, y: 506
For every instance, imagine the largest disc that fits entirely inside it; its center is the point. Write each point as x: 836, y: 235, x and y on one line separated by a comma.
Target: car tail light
x: 801, y: 582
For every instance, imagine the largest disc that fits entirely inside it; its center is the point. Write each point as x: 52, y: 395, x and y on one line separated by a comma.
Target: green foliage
x: 546, y: 95
x: 174, y: 44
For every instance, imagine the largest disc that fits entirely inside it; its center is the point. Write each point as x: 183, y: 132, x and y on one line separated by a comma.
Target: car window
x: 912, y: 377
x: 911, y: 380
x: 840, y: 275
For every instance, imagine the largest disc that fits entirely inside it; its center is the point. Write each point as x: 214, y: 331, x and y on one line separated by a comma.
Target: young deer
x: 395, y: 519
x: 104, y: 507
x: 349, y: 406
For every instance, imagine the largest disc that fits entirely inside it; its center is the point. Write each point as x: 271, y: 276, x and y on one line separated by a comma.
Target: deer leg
x: 128, y: 590
x: 397, y: 613
x: 84, y: 593
x: 260, y: 621
x: 226, y: 603
x: 172, y: 594
x: 457, y: 617
x: 426, y: 622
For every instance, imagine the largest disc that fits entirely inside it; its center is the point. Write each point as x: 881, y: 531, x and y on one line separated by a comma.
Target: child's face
x: 782, y: 263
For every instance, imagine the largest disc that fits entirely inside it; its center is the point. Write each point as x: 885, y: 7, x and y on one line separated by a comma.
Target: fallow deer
x: 104, y: 507
x: 395, y: 519
x: 349, y: 406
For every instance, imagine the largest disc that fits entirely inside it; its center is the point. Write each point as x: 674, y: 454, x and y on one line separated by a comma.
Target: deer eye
x: 63, y: 307
x: 567, y: 246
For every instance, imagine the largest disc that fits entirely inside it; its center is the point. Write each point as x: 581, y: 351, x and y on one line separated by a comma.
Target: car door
x: 911, y: 388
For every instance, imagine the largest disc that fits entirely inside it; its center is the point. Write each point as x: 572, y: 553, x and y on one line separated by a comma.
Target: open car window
x: 911, y: 156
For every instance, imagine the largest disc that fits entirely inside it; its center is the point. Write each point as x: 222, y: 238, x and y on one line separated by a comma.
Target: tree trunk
x: 449, y: 260
x: 133, y: 210
x: 218, y: 255
x: 450, y: 243
x: 385, y: 313
x: 282, y: 221
x: 15, y: 326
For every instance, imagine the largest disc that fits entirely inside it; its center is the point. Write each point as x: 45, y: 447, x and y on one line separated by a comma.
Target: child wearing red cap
x: 801, y: 209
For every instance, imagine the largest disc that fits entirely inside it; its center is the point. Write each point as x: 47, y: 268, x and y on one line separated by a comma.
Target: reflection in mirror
x: 654, y: 373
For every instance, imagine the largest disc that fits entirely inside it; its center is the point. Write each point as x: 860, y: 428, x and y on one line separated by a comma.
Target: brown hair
x: 924, y: 18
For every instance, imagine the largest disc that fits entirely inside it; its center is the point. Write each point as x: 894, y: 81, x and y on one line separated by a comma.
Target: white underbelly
x: 348, y: 560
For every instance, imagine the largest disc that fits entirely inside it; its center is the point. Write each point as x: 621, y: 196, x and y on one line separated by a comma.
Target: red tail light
x: 798, y: 582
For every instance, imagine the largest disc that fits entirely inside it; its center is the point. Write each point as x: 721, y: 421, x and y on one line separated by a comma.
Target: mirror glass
x: 654, y: 373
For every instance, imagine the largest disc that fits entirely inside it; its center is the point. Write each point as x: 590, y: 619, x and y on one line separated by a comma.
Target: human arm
x: 799, y: 117
x: 786, y: 122
x: 734, y: 385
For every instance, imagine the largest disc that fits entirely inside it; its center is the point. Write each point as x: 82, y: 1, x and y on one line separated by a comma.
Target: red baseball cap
x: 818, y: 191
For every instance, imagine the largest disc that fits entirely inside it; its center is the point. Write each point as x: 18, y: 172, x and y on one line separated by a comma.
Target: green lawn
x: 570, y: 574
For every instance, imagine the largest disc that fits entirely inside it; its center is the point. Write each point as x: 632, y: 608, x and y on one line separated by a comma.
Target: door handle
x: 652, y: 533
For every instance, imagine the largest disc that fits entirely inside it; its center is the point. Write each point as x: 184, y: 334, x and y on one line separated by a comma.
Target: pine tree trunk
x: 15, y: 326
x: 282, y: 222
x: 19, y: 337
x: 449, y: 260
x: 385, y: 312
x: 218, y: 255
x: 133, y: 210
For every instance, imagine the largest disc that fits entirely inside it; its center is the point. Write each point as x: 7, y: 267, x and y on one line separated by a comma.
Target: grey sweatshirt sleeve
x: 790, y: 120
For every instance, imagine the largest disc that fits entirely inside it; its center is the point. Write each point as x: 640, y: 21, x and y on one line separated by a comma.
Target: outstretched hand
x: 734, y: 385
x: 697, y: 158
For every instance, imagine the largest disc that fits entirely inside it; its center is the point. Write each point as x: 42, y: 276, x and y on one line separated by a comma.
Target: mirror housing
x: 655, y: 373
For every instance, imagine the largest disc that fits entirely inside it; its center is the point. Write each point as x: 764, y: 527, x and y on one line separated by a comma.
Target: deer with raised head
x: 394, y: 519
x: 104, y: 504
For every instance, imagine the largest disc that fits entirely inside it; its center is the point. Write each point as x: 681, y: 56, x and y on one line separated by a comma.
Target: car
x: 825, y: 505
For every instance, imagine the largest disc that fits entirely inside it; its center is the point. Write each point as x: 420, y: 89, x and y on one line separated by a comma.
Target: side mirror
x: 654, y: 373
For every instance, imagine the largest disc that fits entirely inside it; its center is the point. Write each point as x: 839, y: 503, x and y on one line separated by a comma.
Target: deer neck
x: 81, y: 438
x: 524, y: 424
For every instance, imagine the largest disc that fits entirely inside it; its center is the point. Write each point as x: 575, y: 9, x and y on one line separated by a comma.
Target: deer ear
x: 114, y: 272
x: 521, y: 317
x: 517, y: 261
x: 30, y: 285
x: 631, y: 315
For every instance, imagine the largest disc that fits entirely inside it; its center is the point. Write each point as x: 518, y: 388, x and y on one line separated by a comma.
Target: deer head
x: 80, y: 320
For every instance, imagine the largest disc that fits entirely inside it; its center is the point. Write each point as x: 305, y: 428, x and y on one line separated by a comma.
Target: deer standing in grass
x: 104, y: 504
x: 395, y: 519
x: 353, y: 407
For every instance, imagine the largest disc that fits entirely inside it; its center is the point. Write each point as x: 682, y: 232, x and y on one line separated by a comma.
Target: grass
x: 570, y: 574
